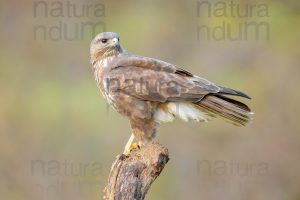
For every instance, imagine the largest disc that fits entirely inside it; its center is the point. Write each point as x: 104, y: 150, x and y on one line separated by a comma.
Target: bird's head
x: 104, y: 45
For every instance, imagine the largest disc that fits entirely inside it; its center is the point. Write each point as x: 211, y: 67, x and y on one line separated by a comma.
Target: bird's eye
x: 104, y: 40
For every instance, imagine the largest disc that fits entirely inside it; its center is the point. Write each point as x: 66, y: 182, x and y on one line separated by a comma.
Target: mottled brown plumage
x: 150, y: 91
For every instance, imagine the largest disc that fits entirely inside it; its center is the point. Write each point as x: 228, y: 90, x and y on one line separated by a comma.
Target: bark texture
x: 131, y: 177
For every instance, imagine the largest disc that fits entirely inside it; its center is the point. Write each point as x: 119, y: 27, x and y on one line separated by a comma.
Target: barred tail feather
x: 228, y: 109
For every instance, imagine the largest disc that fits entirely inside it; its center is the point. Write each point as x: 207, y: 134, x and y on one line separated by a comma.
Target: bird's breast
x: 101, y: 69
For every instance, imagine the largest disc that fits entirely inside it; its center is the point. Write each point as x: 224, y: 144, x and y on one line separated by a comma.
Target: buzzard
x: 149, y: 91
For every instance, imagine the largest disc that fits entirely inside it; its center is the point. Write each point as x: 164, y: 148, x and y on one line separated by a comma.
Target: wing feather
x: 155, y: 80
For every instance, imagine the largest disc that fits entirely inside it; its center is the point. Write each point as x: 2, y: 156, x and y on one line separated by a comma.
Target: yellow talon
x: 134, y: 146
x: 126, y: 152
x: 129, y: 146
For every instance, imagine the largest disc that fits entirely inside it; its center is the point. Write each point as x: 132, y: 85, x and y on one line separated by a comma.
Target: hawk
x: 149, y: 91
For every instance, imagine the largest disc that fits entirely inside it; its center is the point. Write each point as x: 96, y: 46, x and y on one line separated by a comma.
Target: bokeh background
x: 58, y: 137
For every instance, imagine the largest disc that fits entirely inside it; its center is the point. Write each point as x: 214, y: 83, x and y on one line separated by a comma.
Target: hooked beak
x: 115, y: 44
x: 115, y: 41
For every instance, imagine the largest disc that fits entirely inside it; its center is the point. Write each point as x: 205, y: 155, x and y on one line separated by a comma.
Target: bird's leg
x: 130, y: 145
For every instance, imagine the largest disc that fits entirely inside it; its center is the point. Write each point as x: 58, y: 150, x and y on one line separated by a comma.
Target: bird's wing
x: 154, y: 80
x: 127, y: 59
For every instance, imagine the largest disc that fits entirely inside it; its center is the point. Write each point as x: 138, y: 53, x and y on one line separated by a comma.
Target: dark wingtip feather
x: 228, y: 91
x: 241, y: 94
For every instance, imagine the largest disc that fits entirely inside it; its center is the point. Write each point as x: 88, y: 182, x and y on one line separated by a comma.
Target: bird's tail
x: 228, y: 109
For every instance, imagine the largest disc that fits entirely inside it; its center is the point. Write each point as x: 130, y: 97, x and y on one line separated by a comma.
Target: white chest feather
x: 105, y: 62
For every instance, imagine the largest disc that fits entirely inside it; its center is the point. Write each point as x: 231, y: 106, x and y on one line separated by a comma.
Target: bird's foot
x: 134, y: 146
x: 128, y: 150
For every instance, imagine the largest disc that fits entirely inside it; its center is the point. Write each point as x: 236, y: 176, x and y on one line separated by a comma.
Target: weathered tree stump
x: 131, y: 177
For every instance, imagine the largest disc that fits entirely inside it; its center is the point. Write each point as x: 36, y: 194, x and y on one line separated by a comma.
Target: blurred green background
x: 58, y: 137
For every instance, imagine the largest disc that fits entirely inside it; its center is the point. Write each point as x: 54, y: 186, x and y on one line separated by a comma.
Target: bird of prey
x: 149, y: 91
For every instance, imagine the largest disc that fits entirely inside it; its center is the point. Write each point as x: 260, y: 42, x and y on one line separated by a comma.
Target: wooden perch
x: 131, y: 177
